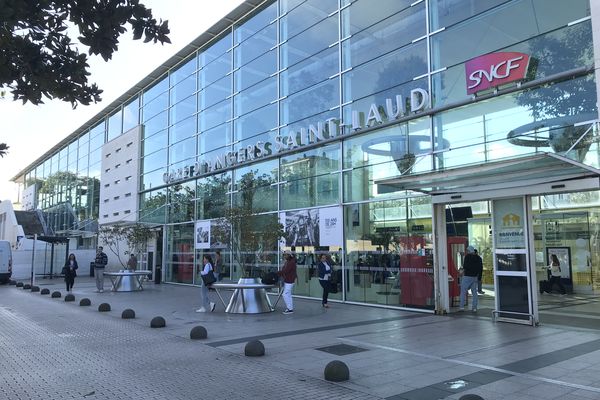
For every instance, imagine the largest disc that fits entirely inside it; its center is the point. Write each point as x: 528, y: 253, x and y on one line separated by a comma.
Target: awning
x: 526, y: 171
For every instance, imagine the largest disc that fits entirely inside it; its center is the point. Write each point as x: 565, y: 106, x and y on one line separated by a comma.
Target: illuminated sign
x: 492, y: 70
x: 395, y: 108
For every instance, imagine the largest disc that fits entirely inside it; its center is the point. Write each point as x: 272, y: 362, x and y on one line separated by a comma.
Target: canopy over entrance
x: 524, y: 172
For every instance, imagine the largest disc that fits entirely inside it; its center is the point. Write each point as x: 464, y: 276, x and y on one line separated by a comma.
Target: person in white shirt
x: 206, y: 303
x: 555, y: 274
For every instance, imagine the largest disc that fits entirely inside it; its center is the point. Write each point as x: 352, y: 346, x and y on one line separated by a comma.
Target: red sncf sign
x: 495, y: 69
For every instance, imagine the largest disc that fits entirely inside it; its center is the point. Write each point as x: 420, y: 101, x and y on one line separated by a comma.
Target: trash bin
x: 157, y: 274
x: 92, y: 266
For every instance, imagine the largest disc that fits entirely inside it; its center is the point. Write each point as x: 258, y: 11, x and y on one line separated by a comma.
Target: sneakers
x: 326, y: 305
x: 101, y: 290
x: 461, y: 309
x: 212, y: 307
x: 474, y: 310
x: 481, y: 292
x: 201, y: 309
x: 288, y: 311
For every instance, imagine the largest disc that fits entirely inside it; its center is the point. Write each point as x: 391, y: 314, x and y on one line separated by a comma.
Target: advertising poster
x: 564, y: 257
x: 202, y: 234
x: 509, y: 222
x: 330, y: 226
x: 301, y: 227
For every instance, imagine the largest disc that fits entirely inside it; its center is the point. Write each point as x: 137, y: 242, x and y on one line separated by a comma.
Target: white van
x: 5, y: 261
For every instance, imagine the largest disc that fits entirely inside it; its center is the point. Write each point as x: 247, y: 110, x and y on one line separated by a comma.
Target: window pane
x: 182, y: 150
x: 216, y: 92
x: 302, y: 17
x: 255, y: 97
x: 362, y: 15
x: 310, y: 42
x: 310, y: 71
x: 153, y: 207
x: 258, y: 44
x: 311, y: 101
x: 183, y: 89
x: 448, y: 12
x: 215, y: 50
x: 155, y: 106
x: 156, y: 90
x: 213, y: 200
x: 115, y: 125
x: 181, y: 202
x: 152, y: 179
x: 159, y: 122
x: 155, y: 143
x: 255, y: 24
x: 214, y: 71
x: 256, y: 70
x: 253, y: 187
x: 215, y: 115
x: 183, y: 130
x: 131, y: 114
x: 183, y: 71
x: 154, y: 161
x: 214, y: 138
x: 256, y: 122
x: 183, y: 109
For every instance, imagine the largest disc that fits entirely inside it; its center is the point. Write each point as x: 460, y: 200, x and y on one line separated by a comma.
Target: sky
x: 31, y: 130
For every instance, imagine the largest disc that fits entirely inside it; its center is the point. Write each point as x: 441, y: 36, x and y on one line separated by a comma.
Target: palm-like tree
x: 3, y: 148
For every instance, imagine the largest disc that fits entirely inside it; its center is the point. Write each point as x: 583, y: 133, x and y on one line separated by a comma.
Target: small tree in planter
x: 134, y: 237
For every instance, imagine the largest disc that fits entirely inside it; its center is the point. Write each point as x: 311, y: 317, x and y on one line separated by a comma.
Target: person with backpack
x: 472, y: 267
x: 99, y: 265
x: 206, y: 270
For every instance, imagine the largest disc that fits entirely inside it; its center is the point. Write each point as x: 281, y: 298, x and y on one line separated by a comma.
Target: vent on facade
x: 105, y: 216
x: 106, y: 200
x: 116, y: 197
x: 117, y: 166
x: 107, y: 185
x: 117, y: 181
x: 107, y: 155
x: 128, y: 178
x: 127, y: 212
x: 127, y: 194
x: 107, y: 169
x: 129, y: 144
x: 118, y: 150
x: 115, y: 214
x: 128, y: 161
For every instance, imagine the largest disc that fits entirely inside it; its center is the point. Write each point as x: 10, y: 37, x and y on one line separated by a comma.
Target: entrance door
x: 512, y: 244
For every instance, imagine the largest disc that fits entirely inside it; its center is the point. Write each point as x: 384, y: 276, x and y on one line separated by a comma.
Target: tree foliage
x: 134, y: 237
x: 3, y: 149
x: 38, y: 58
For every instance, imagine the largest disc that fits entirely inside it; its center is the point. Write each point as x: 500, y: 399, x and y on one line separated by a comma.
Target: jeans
x: 466, y: 283
x: 204, y: 296
x: 326, y: 285
x: 69, y: 280
x: 287, y: 295
x: 99, y: 274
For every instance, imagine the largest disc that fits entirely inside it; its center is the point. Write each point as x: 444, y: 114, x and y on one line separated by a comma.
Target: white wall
x: 119, y: 178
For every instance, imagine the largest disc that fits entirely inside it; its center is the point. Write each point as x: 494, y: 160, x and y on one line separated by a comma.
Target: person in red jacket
x: 288, y: 272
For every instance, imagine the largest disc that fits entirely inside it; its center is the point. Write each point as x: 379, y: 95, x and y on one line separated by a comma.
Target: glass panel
x: 310, y: 71
x: 451, y: 47
x: 255, y: 71
x: 212, y: 197
x: 183, y: 129
x: 391, y: 33
x: 361, y: 14
x: 183, y: 70
x: 157, y: 105
x: 253, y: 47
x: 509, y: 228
x: 256, y: 96
x: 155, y: 160
x: 214, y: 116
x: 255, y: 24
x: 448, y: 12
x: 253, y: 187
x: 311, y: 101
x: 183, y: 89
x: 159, y: 122
x: 512, y: 296
x: 216, y: 92
x: 300, y: 18
x: 155, y: 143
x: 214, y: 71
x: 309, y: 42
x: 153, y: 207
x: 131, y: 114
x: 180, y: 245
x: 152, y: 179
x: 383, y: 73
x: 183, y: 109
x: 215, y: 50
x: 154, y: 91
x: 214, y: 138
x: 256, y: 122
x: 181, y: 202
x: 182, y: 150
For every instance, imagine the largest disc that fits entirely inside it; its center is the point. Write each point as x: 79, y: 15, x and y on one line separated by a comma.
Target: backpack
x: 270, y: 278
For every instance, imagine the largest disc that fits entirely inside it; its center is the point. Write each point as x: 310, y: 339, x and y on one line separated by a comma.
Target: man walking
x: 472, y: 268
x: 99, y: 265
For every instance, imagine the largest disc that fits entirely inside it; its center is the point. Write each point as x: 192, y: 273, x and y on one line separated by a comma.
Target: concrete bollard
x: 128, y: 314
x: 35, y: 288
x: 104, y: 307
x: 198, y: 332
x: 12, y: 282
x: 254, y: 348
x: 336, y: 371
x: 26, y: 286
x: 471, y: 397
x: 19, y: 284
x: 70, y: 297
x: 85, y: 302
x: 56, y: 295
x: 158, y: 322
x: 45, y: 291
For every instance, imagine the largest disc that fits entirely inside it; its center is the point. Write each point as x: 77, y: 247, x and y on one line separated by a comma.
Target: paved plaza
x: 52, y: 349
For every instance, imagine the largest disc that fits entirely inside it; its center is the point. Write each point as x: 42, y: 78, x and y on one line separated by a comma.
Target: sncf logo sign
x: 495, y: 69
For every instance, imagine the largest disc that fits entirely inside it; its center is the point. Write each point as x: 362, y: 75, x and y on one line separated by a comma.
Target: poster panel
x: 564, y: 257
x: 301, y: 227
x: 202, y: 234
x: 330, y: 226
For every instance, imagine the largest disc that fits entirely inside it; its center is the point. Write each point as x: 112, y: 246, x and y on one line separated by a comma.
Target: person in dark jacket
x: 99, y: 265
x: 325, y: 272
x: 472, y: 269
x: 288, y: 272
x: 69, y: 271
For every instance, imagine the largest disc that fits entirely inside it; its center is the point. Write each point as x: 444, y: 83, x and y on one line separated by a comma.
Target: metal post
x: 33, y: 260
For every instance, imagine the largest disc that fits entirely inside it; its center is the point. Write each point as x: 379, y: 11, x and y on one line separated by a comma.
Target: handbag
x: 209, y: 278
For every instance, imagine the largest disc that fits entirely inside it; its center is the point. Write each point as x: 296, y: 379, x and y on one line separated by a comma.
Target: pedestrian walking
x: 99, y: 265
x: 472, y: 267
x: 288, y: 272
x: 206, y: 269
x: 555, y: 274
x: 325, y: 272
x: 69, y: 271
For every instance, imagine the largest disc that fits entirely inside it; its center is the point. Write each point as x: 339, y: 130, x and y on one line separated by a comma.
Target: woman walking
x: 69, y: 271
x: 288, y: 272
x: 207, y: 269
x: 325, y: 278
x: 555, y: 274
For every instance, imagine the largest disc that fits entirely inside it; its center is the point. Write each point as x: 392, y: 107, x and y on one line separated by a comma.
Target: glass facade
x: 250, y: 108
